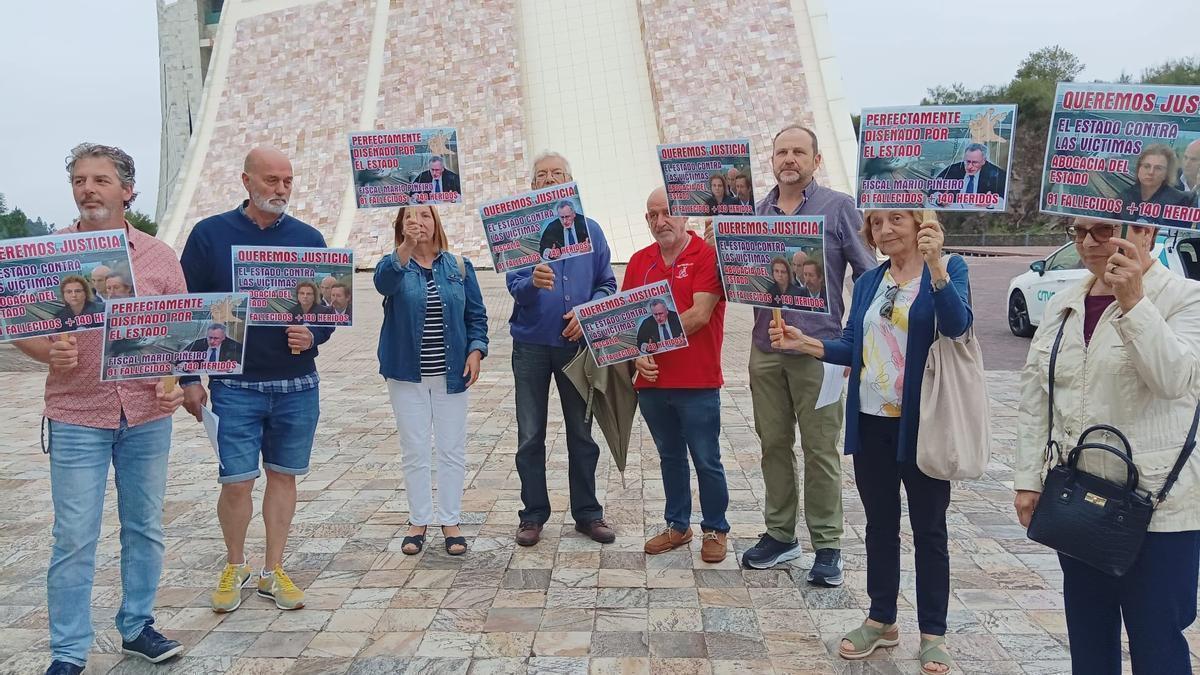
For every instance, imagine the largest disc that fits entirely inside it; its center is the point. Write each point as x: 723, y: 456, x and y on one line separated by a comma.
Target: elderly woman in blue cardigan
x: 897, y: 312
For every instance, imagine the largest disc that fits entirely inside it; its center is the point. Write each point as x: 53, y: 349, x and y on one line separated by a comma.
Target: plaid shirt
x: 78, y: 396
x: 276, y: 386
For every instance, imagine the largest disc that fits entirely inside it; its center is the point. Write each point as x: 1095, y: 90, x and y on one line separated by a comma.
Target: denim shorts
x: 281, y: 426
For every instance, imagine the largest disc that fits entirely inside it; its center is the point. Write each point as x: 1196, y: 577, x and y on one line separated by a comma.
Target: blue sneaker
x: 63, y: 668
x: 827, y: 568
x: 769, y: 552
x: 152, y: 646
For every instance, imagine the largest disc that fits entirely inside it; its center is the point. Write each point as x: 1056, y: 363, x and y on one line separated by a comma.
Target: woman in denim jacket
x: 433, y: 338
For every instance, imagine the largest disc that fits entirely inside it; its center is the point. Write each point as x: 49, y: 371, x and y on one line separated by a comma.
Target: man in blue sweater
x: 273, y: 406
x: 546, y: 337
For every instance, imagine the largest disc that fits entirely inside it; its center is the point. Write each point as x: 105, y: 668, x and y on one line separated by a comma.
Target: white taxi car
x: 1029, y: 292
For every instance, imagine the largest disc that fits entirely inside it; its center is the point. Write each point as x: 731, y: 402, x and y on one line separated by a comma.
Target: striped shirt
x: 433, y: 339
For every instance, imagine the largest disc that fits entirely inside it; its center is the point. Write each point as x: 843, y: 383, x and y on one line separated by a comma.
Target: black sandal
x: 454, y: 541
x: 417, y: 539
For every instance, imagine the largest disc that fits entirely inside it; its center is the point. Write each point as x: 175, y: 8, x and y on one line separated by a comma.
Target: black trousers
x: 878, y: 476
x: 1156, y: 599
x: 533, y: 367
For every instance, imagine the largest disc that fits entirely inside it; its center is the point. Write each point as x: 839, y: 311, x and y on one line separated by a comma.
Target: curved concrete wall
x: 601, y: 82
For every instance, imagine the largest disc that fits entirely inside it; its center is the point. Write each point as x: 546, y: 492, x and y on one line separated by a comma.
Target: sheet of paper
x: 211, y: 422
x: 831, y: 385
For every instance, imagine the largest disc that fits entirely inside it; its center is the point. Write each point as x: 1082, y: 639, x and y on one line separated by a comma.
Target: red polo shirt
x: 697, y: 366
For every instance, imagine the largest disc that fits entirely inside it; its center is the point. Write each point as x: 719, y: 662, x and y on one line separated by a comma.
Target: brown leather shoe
x: 669, y: 539
x: 712, y: 546
x: 529, y: 533
x: 598, y: 530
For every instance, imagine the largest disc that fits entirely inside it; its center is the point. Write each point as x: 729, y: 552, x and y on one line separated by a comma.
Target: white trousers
x: 428, y: 417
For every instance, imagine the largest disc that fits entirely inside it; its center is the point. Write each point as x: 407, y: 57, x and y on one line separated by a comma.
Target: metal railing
x: 1006, y: 239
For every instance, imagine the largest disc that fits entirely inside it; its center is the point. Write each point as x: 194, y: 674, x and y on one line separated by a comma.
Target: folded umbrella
x: 611, y: 400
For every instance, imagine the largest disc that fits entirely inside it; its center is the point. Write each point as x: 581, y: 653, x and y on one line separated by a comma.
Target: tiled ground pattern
x: 567, y: 605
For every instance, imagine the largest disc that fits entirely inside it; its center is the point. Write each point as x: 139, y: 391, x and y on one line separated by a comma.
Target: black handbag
x: 1091, y: 519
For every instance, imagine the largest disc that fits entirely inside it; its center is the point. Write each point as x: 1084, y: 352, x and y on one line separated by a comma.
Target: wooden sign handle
x: 168, y: 382
x: 295, y: 350
x: 777, y: 315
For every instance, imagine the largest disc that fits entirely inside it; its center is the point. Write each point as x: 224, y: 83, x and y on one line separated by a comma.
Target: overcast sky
x: 75, y: 70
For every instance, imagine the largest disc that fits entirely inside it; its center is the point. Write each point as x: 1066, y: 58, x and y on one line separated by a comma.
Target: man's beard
x: 800, y: 177
x: 264, y: 204
x: 95, y: 214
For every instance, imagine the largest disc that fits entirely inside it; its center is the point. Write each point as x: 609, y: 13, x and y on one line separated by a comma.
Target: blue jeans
x: 279, y: 426
x: 79, y: 459
x: 533, y: 365
x: 683, y: 421
x: 1156, y: 599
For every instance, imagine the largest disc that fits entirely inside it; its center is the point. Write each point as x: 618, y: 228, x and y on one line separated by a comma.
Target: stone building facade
x: 600, y: 82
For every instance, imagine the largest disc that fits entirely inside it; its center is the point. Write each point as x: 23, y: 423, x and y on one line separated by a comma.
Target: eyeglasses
x: 556, y: 174
x: 889, y: 302
x: 1100, y: 233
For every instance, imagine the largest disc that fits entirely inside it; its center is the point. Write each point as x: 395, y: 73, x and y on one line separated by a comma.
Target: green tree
x: 958, y: 94
x: 15, y: 223
x: 142, y: 222
x: 1050, y: 63
x: 1181, y: 71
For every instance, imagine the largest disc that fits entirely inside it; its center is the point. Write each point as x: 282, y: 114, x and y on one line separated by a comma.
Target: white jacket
x: 1140, y: 373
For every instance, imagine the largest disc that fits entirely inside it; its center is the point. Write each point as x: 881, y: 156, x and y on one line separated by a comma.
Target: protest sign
x: 774, y: 261
x: 536, y: 227
x: 638, y: 322
x: 411, y: 166
x: 194, y: 334
x: 708, y: 178
x: 296, y: 286
x: 936, y: 157
x: 58, y: 283
x: 1118, y: 152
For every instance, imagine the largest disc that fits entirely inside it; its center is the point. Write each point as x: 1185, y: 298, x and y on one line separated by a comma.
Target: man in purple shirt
x: 785, y: 384
x: 546, y: 337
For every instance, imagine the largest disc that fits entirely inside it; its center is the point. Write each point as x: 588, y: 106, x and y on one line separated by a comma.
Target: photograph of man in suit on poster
x: 217, y: 346
x: 662, y: 325
x: 566, y: 229
x: 978, y: 174
x: 443, y: 179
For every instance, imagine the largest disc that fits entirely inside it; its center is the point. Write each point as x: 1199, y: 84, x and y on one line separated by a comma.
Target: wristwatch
x: 939, y: 284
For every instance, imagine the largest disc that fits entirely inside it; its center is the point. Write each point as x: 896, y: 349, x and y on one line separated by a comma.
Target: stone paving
x: 567, y: 605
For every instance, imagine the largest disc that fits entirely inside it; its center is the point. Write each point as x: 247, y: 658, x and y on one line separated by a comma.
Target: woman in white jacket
x: 1129, y: 358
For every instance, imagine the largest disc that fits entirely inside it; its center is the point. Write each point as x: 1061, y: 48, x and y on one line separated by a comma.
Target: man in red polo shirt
x: 679, y: 390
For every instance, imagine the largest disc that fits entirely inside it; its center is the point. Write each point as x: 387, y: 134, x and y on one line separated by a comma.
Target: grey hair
x: 544, y: 155
x: 657, y: 301
x: 437, y: 158
x: 977, y: 147
x: 567, y: 203
x: 120, y: 159
x: 218, y: 326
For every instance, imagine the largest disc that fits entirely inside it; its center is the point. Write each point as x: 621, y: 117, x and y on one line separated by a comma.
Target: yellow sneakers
x: 228, y: 595
x: 278, y: 587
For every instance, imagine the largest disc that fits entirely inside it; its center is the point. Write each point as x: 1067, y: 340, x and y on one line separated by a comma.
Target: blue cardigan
x: 954, y: 318
x: 464, y: 318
